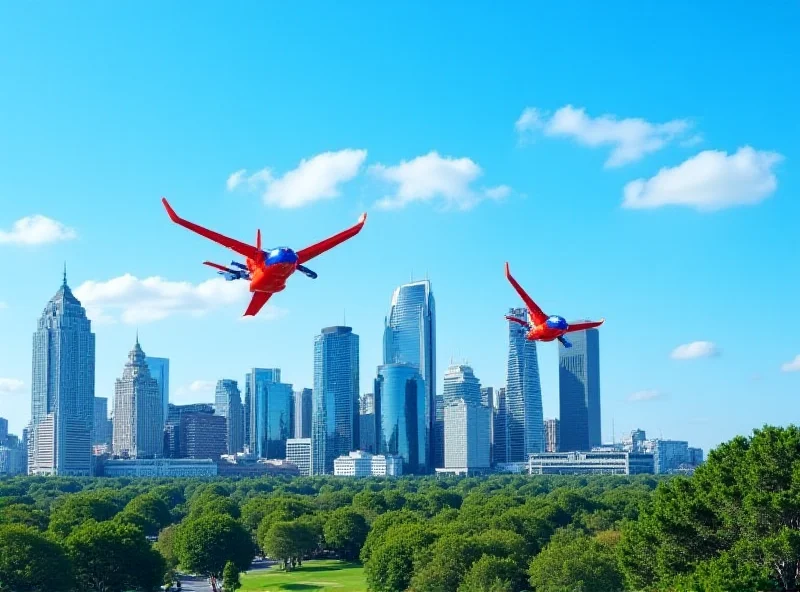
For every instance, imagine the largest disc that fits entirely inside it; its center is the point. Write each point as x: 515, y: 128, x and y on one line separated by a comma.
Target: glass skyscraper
x: 228, y: 403
x: 402, y: 413
x: 302, y: 413
x: 138, y: 411
x: 334, y: 410
x: 410, y: 338
x: 270, y: 408
x: 579, y: 391
x: 159, y: 369
x: 524, y: 415
x: 62, y: 389
x: 103, y: 427
x: 499, y: 427
x: 460, y: 383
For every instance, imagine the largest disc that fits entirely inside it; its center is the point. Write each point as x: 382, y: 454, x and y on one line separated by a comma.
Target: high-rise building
x: 172, y: 431
x: 62, y: 389
x: 401, y: 400
x: 499, y: 427
x: 256, y: 397
x: 228, y: 404
x: 159, y: 369
x: 668, y: 455
x: 3, y: 430
x: 487, y: 396
x: 298, y: 451
x: 551, y: 435
x: 103, y: 427
x: 335, y: 422
x: 302, y: 413
x: 695, y: 456
x: 634, y: 442
x: 524, y: 415
x: 460, y: 383
x: 410, y: 338
x: 466, y: 436
x: 366, y: 404
x: 138, y: 410
x: 579, y: 391
x: 202, y: 435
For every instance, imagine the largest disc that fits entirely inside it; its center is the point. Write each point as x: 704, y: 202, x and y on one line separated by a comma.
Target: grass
x: 313, y: 576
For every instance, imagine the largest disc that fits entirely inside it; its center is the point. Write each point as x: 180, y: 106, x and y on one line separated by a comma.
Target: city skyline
x: 671, y: 180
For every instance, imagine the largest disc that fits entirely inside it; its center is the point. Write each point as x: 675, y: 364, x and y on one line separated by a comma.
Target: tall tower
x: 302, y: 413
x: 334, y: 408
x: 524, y: 413
x: 499, y: 427
x: 410, y: 337
x: 159, y: 369
x: 268, y: 409
x: 62, y: 389
x: 579, y: 391
x: 138, y: 410
x: 460, y: 383
x: 401, y: 413
x: 228, y: 404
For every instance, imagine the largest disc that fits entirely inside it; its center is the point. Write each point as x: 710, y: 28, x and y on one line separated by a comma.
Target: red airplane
x: 267, y: 270
x: 545, y: 328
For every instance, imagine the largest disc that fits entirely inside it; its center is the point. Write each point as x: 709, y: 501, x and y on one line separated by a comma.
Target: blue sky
x: 635, y: 163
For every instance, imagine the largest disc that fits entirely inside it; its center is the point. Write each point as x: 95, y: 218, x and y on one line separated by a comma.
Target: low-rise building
x: 595, y: 462
x: 159, y: 467
x: 363, y: 464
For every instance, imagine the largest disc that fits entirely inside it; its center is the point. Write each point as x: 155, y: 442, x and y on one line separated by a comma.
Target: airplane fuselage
x: 270, y: 273
x: 553, y: 328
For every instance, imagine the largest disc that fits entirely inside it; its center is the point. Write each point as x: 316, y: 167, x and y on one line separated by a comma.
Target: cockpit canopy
x: 556, y: 322
x: 280, y: 255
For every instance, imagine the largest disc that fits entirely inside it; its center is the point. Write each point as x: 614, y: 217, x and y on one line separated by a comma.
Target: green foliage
x: 18, y: 513
x: 493, y: 574
x: 165, y: 545
x: 230, y: 577
x: 148, y: 512
x: 80, y: 507
x: 345, y: 532
x: 206, y: 543
x: 288, y: 541
x: 31, y: 562
x: 113, y: 556
x: 381, y: 526
x: 392, y: 561
x: 275, y: 508
x: 209, y: 502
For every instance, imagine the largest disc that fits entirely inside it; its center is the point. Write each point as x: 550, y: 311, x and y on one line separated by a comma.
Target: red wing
x: 233, y: 244
x: 317, y: 249
x: 538, y: 316
x: 584, y: 325
x: 216, y: 266
x: 257, y: 303
x: 516, y: 320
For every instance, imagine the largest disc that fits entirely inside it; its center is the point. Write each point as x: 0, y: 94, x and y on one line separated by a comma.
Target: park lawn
x: 313, y: 576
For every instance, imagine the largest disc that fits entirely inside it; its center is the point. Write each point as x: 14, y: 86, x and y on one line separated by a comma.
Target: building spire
x: 137, y: 335
x: 64, y: 283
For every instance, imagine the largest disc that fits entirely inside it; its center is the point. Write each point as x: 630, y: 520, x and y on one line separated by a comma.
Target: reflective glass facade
x: 159, y: 369
x: 524, y: 416
x: 256, y: 394
x: 228, y: 403
x: 302, y: 414
x: 410, y: 338
x: 579, y: 391
x: 460, y: 383
x: 334, y: 412
x: 403, y: 428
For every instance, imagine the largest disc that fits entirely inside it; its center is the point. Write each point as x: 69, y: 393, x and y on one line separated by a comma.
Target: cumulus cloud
x: 137, y: 301
x: 11, y: 385
x: 645, y: 395
x: 630, y: 139
x: 711, y: 180
x: 36, y: 230
x: 314, y: 179
x: 793, y: 366
x: 695, y: 349
x: 433, y: 177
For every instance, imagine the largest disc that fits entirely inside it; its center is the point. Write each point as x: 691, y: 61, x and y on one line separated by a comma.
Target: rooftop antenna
x: 65, y: 274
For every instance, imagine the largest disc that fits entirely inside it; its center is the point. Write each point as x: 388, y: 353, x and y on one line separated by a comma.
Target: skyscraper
x: 551, y: 435
x: 579, y: 391
x: 524, y: 413
x: 500, y: 428
x: 62, y: 389
x: 466, y: 436
x: 159, y: 369
x: 460, y: 383
x: 487, y: 396
x: 270, y: 408
x: 3, y: 430
x: 410, y: 337
x: 138, y: 410
x: 403, y: 429
x: 302, y: 413
x: 335, y: 422
x: 103, y: 428
x: 368, y: 426
x: 228, y: 404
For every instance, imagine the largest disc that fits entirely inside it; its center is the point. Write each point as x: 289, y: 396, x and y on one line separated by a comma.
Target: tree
x: 23, y: 514
x: 230, y: 577
x: 165, y: 545
x: 575, y: 562
x: 30, y: 562
x: 113, y: 556
x: 287, y: 541
x: 148, y: 512
x: 213, y: 503
x: 451, y: 558
x: 493, y: 574
x: 80, y: 507
x: 206, y: 543
x: 391, y: 563
x: 345, y: 533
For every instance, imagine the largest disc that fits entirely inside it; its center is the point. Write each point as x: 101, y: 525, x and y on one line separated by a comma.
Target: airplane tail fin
x: 258, y: 239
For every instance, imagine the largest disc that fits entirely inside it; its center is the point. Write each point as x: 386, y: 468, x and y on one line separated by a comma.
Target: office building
x: 62, y: 389
x: 460, y: 383
x: 524, y: 415
x: 551, y: 435
x: 668, y: 455
x: 335, y: 421
x: 3, y: 430
x: 228, y: 404
x: 487, y: 396
x: 363, y: 464
x: 590, y: 463
x: 159, y: 369
x: 579, y: 391
x: 298, y: 452
x: 410, y: 338
x: 695, y: 456
x: 402, y: 418
x: 302, y: 413
x: 368, y: 422
x: 160, y: 467
x: 103, y: 426
x: 138, y: 412
x: 634, y: 442
x: 499, y: 428
x: 269, y: 402
x: 466, y: 437
x: 203, y: 435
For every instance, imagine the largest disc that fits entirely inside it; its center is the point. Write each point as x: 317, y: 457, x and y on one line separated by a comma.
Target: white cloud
x: 711, y: 180
x: 645, y: 395
x: 196, y: 387
x: 11, y: 385
x: 793, y: 366
x: 695, y: 349
x: 630, y: 139
x: 693, y: 141
x: 314, y: 179
x: 36, y: 230
x: 430, y: 177
x: 137, y: 301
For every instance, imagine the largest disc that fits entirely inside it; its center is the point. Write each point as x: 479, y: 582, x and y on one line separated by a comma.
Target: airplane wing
x: 538, y: 316
x: 317, y: 249
x: 233, y: 244
x: 584, y: 325
x: 257, y: 302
